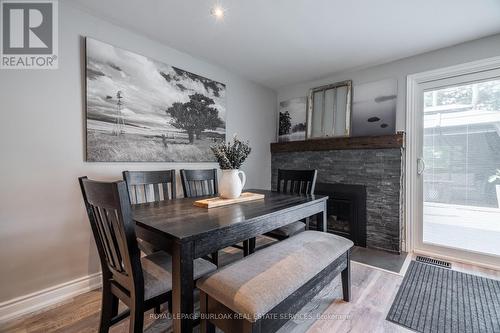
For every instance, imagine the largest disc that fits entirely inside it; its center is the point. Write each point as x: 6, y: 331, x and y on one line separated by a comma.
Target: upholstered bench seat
x: 258, y: 283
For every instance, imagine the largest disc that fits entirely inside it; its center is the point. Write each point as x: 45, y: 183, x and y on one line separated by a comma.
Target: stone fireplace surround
x: 375, y: 162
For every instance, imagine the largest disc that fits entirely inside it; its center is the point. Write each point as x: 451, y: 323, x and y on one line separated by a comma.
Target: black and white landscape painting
x: 141, y: 110
x: 292, y: 120
x: 374, y: 108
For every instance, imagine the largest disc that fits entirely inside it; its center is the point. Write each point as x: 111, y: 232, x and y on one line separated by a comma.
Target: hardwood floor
x: 372, y: 294
x: 373, y: 291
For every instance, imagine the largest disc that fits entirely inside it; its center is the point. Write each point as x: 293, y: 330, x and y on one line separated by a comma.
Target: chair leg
x: 137, y: 318
x: 215, y: 258
x: 251, y: 245
x: 205, y: 325
x: 246, y: 249
x: 169, y: 304
x: 109, y: 307
x: 346, y: 280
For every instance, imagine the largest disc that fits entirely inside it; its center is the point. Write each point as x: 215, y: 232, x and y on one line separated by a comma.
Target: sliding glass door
x: 459, y: 167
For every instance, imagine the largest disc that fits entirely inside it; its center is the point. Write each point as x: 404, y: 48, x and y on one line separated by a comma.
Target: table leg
x: 182, y: 287
x: 321, y: 219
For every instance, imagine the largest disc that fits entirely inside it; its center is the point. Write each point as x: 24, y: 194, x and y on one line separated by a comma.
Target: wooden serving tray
x: 217, y: 202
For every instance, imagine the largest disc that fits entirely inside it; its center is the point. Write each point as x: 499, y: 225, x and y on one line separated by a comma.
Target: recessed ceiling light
x: 218, y: 12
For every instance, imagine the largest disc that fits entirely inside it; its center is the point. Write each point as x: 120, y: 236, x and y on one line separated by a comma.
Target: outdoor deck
x: 466, y: 227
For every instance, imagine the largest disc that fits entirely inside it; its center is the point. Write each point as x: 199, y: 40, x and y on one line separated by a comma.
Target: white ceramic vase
x: 230, y: 184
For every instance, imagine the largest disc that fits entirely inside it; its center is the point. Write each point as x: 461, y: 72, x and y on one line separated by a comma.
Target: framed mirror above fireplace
x: 329, y: 110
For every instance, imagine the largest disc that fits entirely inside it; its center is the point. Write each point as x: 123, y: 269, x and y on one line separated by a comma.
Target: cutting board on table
x: 217, y: 202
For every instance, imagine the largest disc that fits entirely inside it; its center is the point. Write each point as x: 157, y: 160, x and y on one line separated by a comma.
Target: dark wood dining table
x: 188, y: 232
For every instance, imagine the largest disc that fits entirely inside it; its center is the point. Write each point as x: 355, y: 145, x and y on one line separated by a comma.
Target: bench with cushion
x: 264, y: 290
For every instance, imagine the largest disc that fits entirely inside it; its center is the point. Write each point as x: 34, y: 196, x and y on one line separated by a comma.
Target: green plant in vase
x: 231, y: 156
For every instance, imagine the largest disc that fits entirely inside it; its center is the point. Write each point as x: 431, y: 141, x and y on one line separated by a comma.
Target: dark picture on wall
x: 142, y: 110
x: 374, y: 108
x: 292, y: 120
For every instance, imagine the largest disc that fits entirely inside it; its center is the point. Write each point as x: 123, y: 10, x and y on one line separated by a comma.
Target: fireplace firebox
x: 346, y: 210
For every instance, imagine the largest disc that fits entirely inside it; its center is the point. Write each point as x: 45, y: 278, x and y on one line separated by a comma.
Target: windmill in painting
x: 141, y: 110
x: 120, y: 122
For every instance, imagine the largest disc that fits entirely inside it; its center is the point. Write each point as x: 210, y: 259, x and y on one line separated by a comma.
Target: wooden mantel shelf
x: 361, y: 142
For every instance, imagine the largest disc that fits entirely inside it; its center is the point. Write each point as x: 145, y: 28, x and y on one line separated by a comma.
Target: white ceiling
x: 280, y: 42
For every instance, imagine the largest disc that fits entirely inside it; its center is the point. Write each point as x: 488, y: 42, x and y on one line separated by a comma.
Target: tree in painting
x: 285, y: 123
x: 195, y: 116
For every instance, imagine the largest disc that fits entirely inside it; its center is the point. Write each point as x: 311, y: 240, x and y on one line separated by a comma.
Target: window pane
x: 317, y: 115
x: 340, y: 114
x: 329, y: 112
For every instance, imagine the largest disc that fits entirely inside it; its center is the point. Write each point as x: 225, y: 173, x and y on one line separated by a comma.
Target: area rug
x: 434, y: 299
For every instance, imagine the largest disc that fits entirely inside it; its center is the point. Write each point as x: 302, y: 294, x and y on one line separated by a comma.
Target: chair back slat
x: 150, y: 186
x: 156, y: 191
x: 102, y: 236
x: 148, y: 194
x: 108, y: 209
x: 210, y: 187
x: 296, y: 181
x: 108, y: 237
x: 164, y: 191
x: 117, y: 238
x: 199, y: 183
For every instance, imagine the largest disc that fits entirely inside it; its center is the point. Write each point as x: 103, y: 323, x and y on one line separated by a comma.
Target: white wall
x: 45, y: 236
x: 470, y: 51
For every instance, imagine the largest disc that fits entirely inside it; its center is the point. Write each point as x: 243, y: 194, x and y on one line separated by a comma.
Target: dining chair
x: 199, y: 183
x: 202, y: 183
x: 141, y: 283
x: 150, y: 186
x: 298, y: 182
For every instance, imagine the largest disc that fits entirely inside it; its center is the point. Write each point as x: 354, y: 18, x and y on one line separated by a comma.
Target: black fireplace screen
x: 346, y: 208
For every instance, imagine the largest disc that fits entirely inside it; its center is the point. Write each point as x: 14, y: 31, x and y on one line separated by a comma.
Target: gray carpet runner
x: 434, y: 299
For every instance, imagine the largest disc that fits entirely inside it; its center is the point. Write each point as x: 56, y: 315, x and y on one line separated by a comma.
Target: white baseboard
x: 43, y: 298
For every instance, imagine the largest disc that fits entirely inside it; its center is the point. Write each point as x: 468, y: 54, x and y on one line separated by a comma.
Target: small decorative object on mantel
x: 292, y: 119
x: 231, y: 156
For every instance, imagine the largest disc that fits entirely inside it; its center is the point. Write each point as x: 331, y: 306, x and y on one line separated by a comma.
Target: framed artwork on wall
x: 374, y: 108
x: 142, y: 110
x: 292, y: 119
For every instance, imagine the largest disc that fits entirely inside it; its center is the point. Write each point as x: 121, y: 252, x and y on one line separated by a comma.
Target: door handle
x: 420, y: 166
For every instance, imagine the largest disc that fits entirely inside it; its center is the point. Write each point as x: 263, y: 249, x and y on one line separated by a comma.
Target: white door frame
x: 413, y: 136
